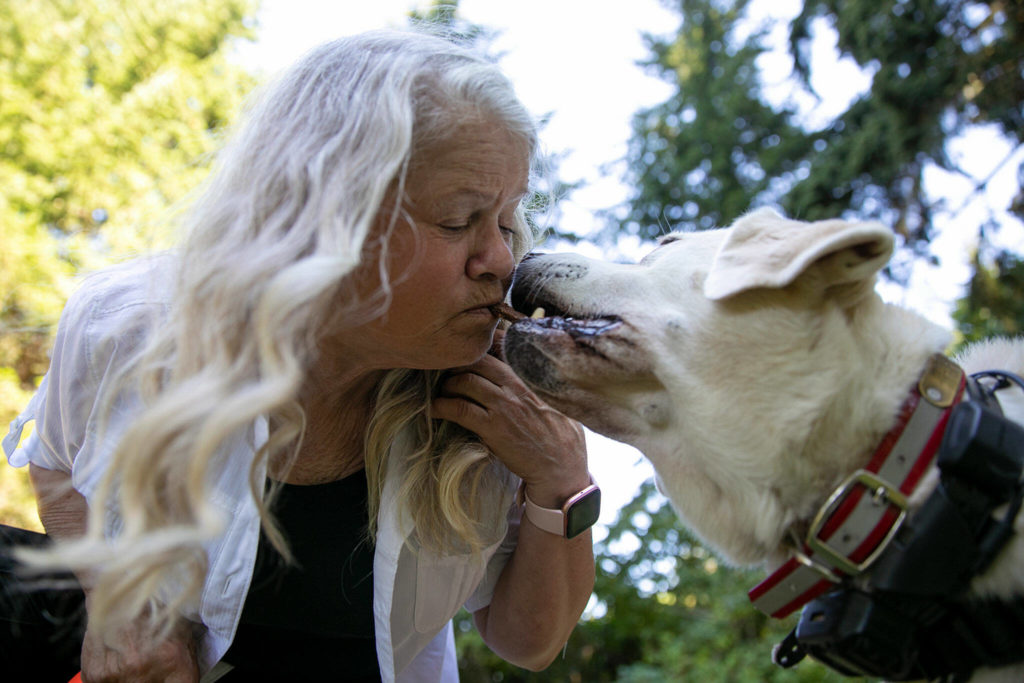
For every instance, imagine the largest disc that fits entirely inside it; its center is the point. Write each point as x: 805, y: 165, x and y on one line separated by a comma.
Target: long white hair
x: 282, y: 221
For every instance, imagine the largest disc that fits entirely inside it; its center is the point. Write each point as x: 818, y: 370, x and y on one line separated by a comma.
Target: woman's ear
x: 765, y: 249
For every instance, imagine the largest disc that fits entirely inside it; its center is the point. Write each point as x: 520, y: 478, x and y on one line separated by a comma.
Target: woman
x: 316, y: 388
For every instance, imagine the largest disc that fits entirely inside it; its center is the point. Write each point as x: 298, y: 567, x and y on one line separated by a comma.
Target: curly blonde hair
x: 282, y: 221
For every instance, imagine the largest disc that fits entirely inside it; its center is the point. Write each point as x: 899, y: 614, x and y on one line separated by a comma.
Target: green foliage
x: 940, y: 66
x: 994, y: 304
x: 108, y: 114
x: 699, y: 159
x: 664, y: 609
x: 443, y: 16
x: 715, y: 148
x: 17, y: 502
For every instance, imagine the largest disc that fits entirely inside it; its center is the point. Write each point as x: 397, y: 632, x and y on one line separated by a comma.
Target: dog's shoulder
x: 1003, y: 354
x: 998, y: 353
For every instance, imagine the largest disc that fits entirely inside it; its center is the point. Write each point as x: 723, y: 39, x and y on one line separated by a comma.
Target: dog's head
x: 713, y: 356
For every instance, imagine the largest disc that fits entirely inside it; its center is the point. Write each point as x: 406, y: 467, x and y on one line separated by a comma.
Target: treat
x: 506, y: 312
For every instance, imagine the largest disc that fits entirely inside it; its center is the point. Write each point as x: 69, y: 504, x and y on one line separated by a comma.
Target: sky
x: 576, y: 61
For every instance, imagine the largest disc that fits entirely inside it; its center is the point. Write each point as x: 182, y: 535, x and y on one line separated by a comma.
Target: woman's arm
x: 545, y: 586
x: 539, y: 597
x: 130, y: 655
x: 62, y: 510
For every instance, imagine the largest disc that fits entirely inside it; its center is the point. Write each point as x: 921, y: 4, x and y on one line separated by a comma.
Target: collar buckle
x: 862, y: 516
x: 882, y: 493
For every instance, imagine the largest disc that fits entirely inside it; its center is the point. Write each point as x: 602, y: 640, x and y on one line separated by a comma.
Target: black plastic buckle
x: 857, y: 635
x: 789, y: 652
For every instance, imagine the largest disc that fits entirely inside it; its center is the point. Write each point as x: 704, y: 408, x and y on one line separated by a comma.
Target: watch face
x: 582, y: 511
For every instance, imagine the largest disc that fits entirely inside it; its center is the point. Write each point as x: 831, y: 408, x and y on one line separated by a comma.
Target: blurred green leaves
x: 109, y: 111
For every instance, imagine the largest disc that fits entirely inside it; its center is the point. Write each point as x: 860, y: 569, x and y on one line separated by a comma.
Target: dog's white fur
x: 755, y: 367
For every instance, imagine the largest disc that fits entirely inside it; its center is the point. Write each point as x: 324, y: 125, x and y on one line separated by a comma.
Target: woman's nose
x: 492, y: 257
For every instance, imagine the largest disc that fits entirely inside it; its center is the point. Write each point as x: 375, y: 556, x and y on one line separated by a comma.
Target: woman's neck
x: 338, y: 406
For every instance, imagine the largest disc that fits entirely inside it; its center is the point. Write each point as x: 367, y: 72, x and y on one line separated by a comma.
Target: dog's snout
x: 534, y: 275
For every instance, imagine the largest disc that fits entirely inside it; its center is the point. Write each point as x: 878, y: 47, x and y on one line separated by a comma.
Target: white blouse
x: 416, y: 594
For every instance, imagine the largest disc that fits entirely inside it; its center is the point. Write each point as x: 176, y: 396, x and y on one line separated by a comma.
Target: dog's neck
x: 871, y: 373
x: 863, y: 512
x: 742, y: 490
x: 866, y: 402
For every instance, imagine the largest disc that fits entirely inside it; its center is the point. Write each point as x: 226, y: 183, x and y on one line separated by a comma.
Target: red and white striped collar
x: 862, y: 515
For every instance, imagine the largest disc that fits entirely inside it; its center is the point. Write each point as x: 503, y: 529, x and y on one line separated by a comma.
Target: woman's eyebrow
x: 485, y: 196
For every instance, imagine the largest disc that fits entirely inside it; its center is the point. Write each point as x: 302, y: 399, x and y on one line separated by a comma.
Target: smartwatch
x: 577, y: 514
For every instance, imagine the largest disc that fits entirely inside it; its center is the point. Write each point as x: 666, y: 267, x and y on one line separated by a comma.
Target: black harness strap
x: 973, y: 634
x: 910, y: 617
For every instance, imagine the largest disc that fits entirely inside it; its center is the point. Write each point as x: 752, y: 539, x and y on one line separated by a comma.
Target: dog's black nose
x: 532, y: 254
x: 519, y: 293
x: 517, y: 299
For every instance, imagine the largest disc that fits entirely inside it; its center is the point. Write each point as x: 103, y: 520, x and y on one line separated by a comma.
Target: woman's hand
x: 545, y: 585
x: 132, y: 656
x: 545, y: 448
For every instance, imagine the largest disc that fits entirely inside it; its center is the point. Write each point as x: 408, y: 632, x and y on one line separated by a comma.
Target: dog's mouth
x: 552, y: 346
x: 544, y: 314
x: 589, y: 364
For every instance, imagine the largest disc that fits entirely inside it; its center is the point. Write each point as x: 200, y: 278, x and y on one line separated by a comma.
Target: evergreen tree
x: 715, y: 148
x: 994, y: 302
x: 940, y: 67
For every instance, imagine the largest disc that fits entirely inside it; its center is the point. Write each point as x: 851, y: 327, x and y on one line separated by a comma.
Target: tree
x: 940, y: 67
x: 442, y: 16
x: 994, y: 302
x: 108, y: 112
x: 714, y: 148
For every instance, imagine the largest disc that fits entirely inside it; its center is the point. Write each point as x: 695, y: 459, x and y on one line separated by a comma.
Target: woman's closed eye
x: 454, y: 227
x: 458, y: 225
x: 459, y: 222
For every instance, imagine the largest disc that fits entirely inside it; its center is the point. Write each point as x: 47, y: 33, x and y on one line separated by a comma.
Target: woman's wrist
x: 568, y: 518
x: 553, y: 491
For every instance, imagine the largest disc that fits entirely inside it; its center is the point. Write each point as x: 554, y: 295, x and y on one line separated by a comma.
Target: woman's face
x: 452, y: 258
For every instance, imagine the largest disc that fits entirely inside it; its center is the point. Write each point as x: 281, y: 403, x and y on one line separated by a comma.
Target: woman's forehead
x: 479, y: 161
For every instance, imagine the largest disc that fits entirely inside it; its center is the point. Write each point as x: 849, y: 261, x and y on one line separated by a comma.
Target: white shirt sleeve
x: 100, y: 328
x: 62, y: 404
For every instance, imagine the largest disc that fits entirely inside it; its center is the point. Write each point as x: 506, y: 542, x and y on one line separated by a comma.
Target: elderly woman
x: 285, y: 449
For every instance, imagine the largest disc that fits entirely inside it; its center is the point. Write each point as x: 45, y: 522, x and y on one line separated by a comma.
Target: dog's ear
x: 764, y: 249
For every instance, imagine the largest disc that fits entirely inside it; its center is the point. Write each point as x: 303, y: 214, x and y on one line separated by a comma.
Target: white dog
x: 757, y: 369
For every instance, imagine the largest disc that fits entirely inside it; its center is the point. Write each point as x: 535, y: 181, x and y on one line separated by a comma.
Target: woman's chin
x: 472, y: 351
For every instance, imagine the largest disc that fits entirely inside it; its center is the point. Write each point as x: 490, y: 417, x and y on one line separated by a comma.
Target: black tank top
x: 312, y: 620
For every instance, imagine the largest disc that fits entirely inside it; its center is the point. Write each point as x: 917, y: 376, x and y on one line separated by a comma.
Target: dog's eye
x: 654, y: 253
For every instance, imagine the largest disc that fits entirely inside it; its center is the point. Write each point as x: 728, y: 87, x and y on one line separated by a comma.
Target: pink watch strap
x: 546, y: 519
